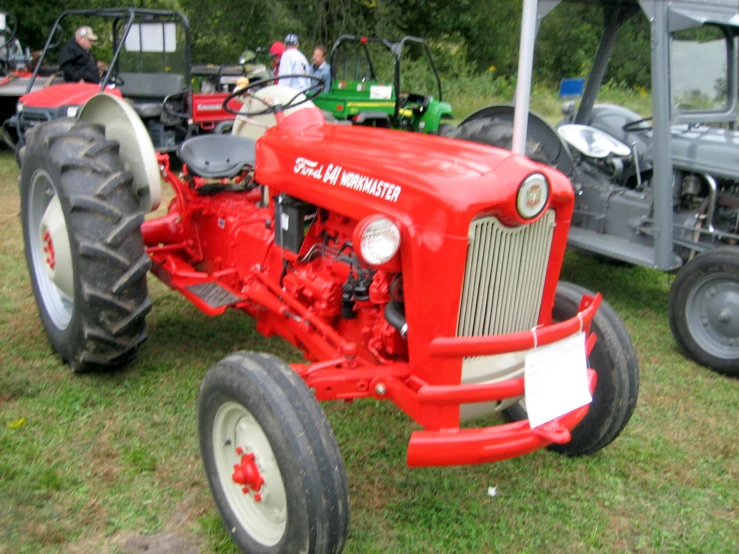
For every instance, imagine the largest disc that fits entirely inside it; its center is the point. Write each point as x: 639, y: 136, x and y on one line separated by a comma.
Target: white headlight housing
x: 379, y: 240
x: 592, y: 142
x: 19, y: 107
x: 72, y: 111
x: 533, y: 195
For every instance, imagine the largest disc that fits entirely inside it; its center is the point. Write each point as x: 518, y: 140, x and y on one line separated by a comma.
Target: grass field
x: 87, y: 461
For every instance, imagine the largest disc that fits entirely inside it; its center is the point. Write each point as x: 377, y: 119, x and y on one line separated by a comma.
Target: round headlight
x: 379, y: 240
x: 533, y: 195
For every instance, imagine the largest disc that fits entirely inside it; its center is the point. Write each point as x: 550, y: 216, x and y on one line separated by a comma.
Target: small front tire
x: 704, y: 310
x: 271, y: 458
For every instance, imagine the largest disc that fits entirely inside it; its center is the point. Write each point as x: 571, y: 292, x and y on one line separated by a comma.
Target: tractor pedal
x: 213, y: 294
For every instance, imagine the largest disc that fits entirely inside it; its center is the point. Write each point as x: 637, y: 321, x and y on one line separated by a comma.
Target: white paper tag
x: 381, y: 92
x: 556, y: 380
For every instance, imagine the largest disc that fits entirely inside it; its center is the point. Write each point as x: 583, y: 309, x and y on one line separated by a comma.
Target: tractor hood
x: 706, y: 150
x: 416, y: 178
x: 65, y: 94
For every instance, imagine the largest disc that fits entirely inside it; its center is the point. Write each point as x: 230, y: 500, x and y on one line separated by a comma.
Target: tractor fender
x: 436, y: 112
x: 542, y: 138
x: 123, y: 125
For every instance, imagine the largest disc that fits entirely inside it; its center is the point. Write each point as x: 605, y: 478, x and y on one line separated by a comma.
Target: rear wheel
x: 271, y: 458
x: 614, y: 360
x: 84, y: 250
x: 498, y: 132
x: 704, y: 310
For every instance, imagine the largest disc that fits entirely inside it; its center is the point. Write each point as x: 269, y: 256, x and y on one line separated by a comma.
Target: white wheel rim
x: 50, y: 270
x: 265, y: 520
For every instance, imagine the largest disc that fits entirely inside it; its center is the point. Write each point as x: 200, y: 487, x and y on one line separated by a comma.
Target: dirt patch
x: 166, y: 542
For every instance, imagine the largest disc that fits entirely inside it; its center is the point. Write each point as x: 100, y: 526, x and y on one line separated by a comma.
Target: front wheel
x: 614, y: 360
x: 271, y: 458
x: 704, y: 310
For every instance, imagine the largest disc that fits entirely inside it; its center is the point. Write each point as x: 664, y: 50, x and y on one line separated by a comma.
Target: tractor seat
x: 214, y: 156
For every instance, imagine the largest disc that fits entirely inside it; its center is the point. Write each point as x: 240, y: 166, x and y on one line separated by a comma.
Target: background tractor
x: 659, y: 191
x: 332, y: 238
x: 149, y: 67
x: 384, y: 83
x: 16, y: 66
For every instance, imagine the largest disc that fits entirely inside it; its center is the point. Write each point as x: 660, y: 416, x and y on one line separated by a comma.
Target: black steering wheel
x: 308, y: 93
x: 171, y: 103
x: 638, y: 125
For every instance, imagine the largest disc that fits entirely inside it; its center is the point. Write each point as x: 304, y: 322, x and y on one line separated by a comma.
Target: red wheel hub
x: 49, y: 250
x: 247, y: 473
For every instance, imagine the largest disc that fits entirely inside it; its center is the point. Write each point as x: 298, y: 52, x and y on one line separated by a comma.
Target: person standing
x: 275, y: 53
x: 293, y: 62
x: 321, y: 68
x: 75, y: 59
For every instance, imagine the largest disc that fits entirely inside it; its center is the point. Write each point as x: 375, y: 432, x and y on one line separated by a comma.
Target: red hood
x: 416, y: 177
x: 65, y: 94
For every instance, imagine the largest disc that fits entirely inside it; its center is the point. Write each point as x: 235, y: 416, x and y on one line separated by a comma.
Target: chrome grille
x: 504, y: 277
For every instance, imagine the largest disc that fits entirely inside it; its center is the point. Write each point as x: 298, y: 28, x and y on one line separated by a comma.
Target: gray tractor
x: 659, y: 191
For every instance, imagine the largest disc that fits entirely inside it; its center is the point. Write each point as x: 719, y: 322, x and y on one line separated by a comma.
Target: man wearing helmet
x: 293, y: 62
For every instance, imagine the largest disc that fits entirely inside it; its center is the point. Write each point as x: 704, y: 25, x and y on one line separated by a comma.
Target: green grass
x: 468, y: 94
x: 88, y: 460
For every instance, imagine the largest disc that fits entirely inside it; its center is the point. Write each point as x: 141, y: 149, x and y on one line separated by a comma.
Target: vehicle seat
x: 215, y: 156
x: 148, y: 90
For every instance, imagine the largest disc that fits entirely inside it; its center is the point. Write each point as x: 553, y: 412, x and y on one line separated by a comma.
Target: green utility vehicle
x: 368, y: 87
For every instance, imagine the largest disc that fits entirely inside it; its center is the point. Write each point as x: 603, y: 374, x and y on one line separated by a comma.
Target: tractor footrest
x: 213, y: 294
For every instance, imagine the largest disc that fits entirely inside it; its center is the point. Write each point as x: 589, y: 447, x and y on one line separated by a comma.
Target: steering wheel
x: 308, y: 93
x: 638, y: 125
x: 116, y: 80
x: 169, y: 105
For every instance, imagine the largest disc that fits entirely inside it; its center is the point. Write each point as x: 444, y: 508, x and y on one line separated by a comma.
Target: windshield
x: 698, y: 69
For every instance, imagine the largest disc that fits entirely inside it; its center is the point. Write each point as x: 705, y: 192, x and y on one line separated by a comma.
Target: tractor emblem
x: 534, y: 196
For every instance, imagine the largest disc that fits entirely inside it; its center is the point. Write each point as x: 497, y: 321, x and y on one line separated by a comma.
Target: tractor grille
x: 504, y: 277
x: 31, y: 117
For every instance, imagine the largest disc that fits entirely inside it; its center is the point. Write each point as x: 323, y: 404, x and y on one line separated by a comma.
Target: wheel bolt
x: 724, y: 316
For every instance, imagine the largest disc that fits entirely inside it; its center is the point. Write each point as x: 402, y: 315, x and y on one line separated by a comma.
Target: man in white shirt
x: 293, y: 62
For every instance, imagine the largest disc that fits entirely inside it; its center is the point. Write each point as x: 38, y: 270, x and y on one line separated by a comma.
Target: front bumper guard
x: 444, y: 447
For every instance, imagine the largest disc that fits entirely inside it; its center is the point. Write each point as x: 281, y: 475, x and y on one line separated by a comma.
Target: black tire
x: 498, y: 132
x: 101, y: 323
x: 614, y: 360
x: 704, y: 310
x: 445, y: 129
x: 247, y: 394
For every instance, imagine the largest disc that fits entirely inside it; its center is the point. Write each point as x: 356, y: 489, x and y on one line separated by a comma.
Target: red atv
x: 418, y: 269
x: 149, y: 67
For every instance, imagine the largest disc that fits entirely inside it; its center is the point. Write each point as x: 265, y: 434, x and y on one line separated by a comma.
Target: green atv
x: 366, y: 85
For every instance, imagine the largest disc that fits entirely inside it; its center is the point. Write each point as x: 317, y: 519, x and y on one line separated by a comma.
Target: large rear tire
x: 704, y: 310
x: 271, y: 458
x: 614, y: 360
x: 83, y: 245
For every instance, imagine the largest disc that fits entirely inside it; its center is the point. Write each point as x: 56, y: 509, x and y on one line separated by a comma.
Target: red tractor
x: 149, y: 67
x: 417, y: 269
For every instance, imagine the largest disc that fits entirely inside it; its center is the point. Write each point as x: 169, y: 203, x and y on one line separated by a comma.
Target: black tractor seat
x: 214, y: 156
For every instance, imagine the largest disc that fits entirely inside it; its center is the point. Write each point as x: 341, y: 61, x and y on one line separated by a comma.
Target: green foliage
x: 468, y: 36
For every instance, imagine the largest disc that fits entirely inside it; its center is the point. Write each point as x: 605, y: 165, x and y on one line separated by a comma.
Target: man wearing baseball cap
x: 293, y: 62
x: 75, y: 59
